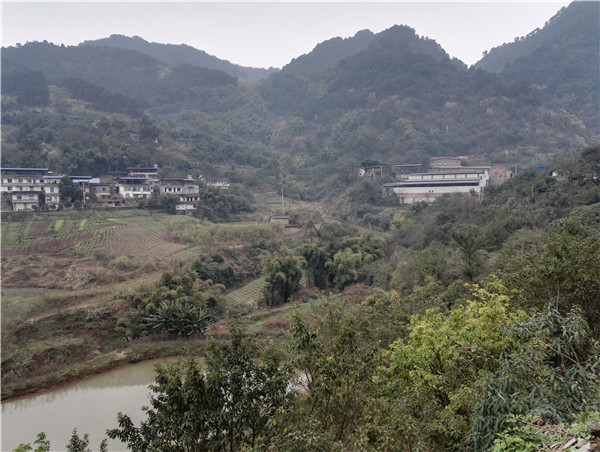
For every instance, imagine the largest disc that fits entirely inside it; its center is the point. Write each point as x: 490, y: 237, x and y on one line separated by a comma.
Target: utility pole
x: 282, y: 197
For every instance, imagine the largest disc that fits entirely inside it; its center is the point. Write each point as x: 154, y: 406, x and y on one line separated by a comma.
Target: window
x: 9, y: 181
x: 9, y: 188
x: 18, y: 196
x: 31, y: 197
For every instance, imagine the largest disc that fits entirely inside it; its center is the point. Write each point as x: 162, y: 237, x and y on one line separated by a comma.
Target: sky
x: 271, y: 34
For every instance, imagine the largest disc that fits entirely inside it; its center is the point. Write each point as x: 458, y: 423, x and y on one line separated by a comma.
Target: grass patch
x: 22, y: 306
x: 193, y: 232
x: 10, y: 235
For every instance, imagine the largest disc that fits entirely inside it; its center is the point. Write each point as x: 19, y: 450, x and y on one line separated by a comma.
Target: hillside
x: 392, y: 96
x: 561, y: 60
x: 479, y: 297
x: 182, y: 54
x: 571, y: 25
x: 403, y: 99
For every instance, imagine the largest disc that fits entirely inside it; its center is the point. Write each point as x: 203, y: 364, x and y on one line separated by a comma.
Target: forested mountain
x: 403, y: 99
x: 132, y: 73
x: 182, y: 54
x: 391, y: 96
x: 561, y: 60
x: 571, y: 27
x: 327, y: 55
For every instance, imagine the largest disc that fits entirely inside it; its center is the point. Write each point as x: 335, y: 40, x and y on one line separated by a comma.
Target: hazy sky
x: 263, y: 34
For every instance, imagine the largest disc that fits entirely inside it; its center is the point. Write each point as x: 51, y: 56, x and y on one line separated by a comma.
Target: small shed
x: 285, y: 219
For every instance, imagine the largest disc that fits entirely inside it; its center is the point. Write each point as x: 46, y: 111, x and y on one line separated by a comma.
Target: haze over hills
x: 175, y: 55
x: 393, y: 96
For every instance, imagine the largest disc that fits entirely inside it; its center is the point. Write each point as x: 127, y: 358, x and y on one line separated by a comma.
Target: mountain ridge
x: 393, y: 96
x: 180, y: 54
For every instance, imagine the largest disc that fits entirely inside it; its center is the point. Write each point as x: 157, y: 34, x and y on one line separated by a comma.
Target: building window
x: 9, y: 181
x: 9, y: 188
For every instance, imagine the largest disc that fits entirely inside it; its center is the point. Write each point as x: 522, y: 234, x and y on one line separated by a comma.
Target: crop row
x: 48, y: 246
x: 250, y: 292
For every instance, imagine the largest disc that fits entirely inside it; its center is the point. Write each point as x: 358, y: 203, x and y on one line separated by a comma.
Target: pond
x: 90, y: 405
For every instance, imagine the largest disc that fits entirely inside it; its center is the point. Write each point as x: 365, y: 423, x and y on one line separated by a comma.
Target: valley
x: 374, y: 247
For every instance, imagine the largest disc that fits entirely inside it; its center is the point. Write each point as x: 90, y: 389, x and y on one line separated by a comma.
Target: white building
x: 24, y: 186
x: 429, y: 186
x: 136, y: 187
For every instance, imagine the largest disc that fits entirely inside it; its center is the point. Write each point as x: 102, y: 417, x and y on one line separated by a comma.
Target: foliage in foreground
x: 227, y: 407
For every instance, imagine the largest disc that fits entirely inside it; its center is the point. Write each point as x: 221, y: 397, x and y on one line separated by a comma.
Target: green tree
x: 336, y: 373
x: 226, y: 406
x: 419, y: 265
x: 561, y: 269
x: 315, y: 258
x: 554, y: 372
x: 470, y: 246
x: 78, y: 444
x: 283, y: 272
x: 68, y: 191
x: 344, y: 267
x: 429, y: 388
x: 42, y: 443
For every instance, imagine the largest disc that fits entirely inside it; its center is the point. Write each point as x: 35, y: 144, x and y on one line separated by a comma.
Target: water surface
x: 90, y: 405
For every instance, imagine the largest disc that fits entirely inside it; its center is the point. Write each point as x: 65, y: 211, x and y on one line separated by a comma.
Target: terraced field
x: 250, y: 293
x: 126, y: 233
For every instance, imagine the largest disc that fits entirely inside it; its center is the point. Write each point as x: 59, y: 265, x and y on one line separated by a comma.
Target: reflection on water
x: 90, y: 405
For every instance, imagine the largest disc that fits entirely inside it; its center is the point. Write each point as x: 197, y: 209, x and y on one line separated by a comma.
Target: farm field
x: 249, y: 294
x: 133, y: 233
x: 66, y: 277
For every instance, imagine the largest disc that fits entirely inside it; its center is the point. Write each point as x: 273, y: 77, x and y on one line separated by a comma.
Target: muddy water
x: 90, y: 405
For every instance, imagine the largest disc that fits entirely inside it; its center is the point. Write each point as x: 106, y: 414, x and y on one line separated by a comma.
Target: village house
x: 186, y: 188
x: 136, y: 187
x: 27, y: 189
x: 102, y: 190
x: 51, y: 184
x: 24, y: 187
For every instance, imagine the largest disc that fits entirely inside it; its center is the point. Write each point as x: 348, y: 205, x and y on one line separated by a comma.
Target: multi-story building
x: 24, y: 187
x: 185, y: 186
x: 51, y: 185
x: 187, y: 189
x: 136, y: 187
